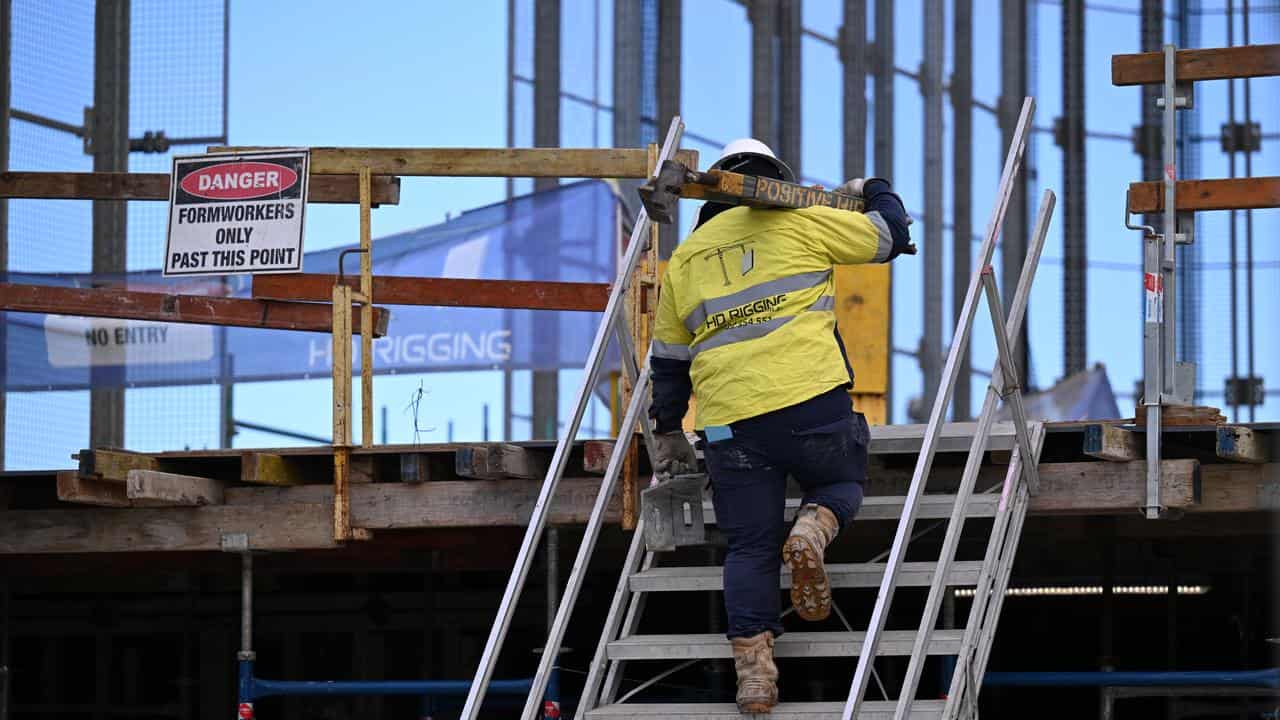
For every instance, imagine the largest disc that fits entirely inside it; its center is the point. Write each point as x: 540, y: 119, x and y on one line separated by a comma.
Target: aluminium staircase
x: 643, y: 576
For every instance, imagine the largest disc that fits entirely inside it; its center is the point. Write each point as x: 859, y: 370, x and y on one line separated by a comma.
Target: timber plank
x: 155, y: 186
x: 1243, y: 61
x: 113, y: 465
x: 278, y: 527
x: 1111, y: 443
x: 172, y: 489
x: 493, y: 461
x: 483, y: 162
x: 87, y: 491
x: 1242, y: 444
x: 296, y: 518
x: 1103, y: 487
x: 1206, y: 195
x: 449, y: 503
x: 441, y: 292
x: 162, y: 307
x: 1183, y: 416
x: 415, y: 467
x: 1236, y: 487
x: 260, y: 468
x: 595, y: 456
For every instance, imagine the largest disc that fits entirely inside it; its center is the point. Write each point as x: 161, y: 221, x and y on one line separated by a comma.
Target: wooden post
x: 366, y: 308
x: 341, y: 410
x: 641, y: 304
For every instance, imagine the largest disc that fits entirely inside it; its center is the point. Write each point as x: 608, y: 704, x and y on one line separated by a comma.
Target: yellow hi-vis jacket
x: 749, y: 299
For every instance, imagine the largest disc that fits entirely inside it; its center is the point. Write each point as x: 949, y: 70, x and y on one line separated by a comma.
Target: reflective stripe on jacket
x: 748, y: 299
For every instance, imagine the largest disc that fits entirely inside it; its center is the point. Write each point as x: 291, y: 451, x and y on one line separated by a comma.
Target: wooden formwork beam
x: 492, y: 461
x: 162, y: 488
x: 1108, y: 442
x: 260, y: 468
x: 1244, y: 61
x: 442, y: 292
x: 482, y: 162
x: 1242, y: 444
x: 113, y: 465
x: 285, y: 518
x: 1205, y: 195
x: 162, y: 307
x: 90, y: 491
x: 155, y: 186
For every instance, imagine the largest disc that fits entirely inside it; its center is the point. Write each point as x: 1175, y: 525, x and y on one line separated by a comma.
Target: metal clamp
x: 343, y: 256
x: 1147, y: 230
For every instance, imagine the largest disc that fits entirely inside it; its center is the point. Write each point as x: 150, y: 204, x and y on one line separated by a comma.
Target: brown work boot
x: 757, y: 674
x: 815, y: 528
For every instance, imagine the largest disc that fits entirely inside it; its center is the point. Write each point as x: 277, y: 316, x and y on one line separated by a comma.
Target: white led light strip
x: 1085, y: 590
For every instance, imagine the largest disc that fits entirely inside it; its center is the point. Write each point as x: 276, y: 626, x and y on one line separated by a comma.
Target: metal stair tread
x: 933, y: 506
x: 792, y: 644
x: 871, y: 710
x: 953, y: 437
x: 842, y: 575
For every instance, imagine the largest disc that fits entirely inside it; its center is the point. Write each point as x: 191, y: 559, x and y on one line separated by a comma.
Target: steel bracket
x: 234, y: 542
x: 1269, y: 495
x: 1184, y: 385
x: 88, y: 130
x: 1186, y: 228
x: 1248, y: 391
x: 1183, y: 96
x: 1241, y: 137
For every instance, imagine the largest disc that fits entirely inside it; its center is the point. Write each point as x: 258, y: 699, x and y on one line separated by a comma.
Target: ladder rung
x: 954, y: 437
x: 842, y: 575
x: 881, y: 710
x: 889, y: 507
x: 793, y: 644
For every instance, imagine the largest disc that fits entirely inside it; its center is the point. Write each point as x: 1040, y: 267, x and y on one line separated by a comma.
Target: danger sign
x: 236, y: 214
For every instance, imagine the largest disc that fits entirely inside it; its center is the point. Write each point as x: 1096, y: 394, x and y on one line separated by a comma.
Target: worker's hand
x: 851, y: 187
x: 673, y: 455
x: 878, y: 196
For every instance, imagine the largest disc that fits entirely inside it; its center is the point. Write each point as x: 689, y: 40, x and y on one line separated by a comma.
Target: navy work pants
x: 820, y: 442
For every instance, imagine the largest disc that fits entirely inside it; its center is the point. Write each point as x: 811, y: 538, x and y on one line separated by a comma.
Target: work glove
x: 872, y: 186
x: 673, y: 455
x: 878, y: 196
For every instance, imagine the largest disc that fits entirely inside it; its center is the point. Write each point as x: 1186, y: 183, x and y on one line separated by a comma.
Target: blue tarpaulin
x: 569, y: 234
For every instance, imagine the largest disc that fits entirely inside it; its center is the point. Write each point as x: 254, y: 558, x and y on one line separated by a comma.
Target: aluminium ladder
x: 619, y: 643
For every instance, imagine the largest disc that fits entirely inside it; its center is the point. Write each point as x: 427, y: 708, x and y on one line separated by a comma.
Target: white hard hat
x: 743, y: 149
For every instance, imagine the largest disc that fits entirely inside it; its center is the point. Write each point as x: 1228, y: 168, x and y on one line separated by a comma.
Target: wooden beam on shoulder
x: 1111, y: 443
x: 1242, y: 444
x: 1244, y: 61
x: 113, y: 465
x: 441, y: 292
x: 483, y: 162
x: 1207, y: 195
x: 162, y: 307
x: 161, y: 488
x: 343, y: 189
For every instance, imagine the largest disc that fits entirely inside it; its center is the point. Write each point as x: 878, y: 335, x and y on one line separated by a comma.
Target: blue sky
x: 420, y: 75
x: 434, y: 74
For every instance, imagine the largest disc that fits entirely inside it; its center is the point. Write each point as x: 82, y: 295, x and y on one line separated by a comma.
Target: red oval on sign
x: 239, y: 180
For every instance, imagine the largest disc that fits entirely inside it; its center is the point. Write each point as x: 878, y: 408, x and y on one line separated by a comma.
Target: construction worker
x: 746, y: 323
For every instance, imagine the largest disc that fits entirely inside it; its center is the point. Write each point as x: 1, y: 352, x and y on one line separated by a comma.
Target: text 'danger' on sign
x: 237, y: 214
